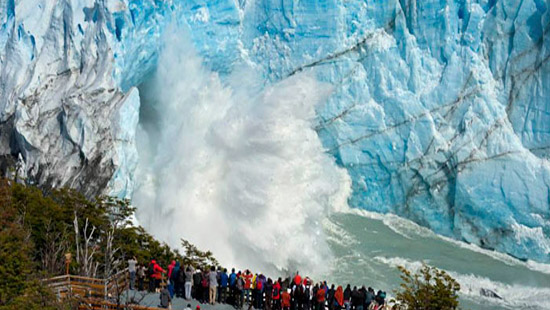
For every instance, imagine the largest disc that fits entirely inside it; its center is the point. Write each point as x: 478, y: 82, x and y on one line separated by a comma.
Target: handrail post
x: 106, y: 284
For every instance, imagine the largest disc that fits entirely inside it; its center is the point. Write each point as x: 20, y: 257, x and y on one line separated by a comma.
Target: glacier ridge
x: 439, y: 110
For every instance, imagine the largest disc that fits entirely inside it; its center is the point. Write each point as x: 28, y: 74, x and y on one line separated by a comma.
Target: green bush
x: 428, y: 289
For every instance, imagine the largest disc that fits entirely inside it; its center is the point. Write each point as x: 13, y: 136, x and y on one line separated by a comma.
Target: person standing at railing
x: 224, y: 279
x: 189, y: 271
x: 156, y: 275
x: 179, y: 280
x: 132, y: 262
x: 232, y: 288
x: 150, y: 273
x: 141, y: 270
x: 247, y: 277
x: 213, y: 284
x: 276, y: 295
x: 197, y: 285
x: 171, y: 268
x: 240, y: 290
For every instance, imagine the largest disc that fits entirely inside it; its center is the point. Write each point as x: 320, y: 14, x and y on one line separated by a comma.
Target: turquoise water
x: 368, y: 248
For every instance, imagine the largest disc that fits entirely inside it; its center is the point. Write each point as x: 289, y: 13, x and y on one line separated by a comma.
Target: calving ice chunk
x: 436, y: 111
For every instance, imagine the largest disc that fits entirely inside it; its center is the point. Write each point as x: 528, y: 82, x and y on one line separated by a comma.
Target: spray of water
x: 234, y: 166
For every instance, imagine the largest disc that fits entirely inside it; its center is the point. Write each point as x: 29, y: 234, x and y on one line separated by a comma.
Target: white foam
x: 338, y: 234
x: 410, y: 230
x: 513, y: 296
x: 236, y: 168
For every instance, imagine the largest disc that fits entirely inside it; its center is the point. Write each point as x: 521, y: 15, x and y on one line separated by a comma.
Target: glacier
x: 439, y: 109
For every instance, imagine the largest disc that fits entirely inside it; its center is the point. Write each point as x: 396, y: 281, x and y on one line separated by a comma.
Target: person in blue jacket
x: 224, y: 281
x: 232, y: 287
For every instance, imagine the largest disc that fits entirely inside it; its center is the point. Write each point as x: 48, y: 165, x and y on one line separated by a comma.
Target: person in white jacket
x: 188, y: 281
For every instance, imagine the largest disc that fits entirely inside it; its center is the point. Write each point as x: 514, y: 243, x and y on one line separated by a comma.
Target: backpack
x: 150, y: 269
x: 204, y: 282
x: 275, y: 292
x: 181, y: 275
x: 174, y: 276
x: 259, y: 285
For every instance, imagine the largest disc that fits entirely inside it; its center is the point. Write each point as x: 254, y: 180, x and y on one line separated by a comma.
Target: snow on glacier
x: 439, y: 111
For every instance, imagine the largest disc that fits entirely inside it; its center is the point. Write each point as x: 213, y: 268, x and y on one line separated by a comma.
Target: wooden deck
x: 93, y: 293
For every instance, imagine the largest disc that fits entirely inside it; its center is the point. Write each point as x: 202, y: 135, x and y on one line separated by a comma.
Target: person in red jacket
x: 157, y: 273
x: 297, y: 279
x: 338, y: 298
x: 276, y: 295
x: 285, y: 296
x: 247, y: 277
x: 320, y: 298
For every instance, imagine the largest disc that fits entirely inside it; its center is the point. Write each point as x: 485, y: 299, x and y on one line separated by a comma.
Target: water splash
x: 234, y: 166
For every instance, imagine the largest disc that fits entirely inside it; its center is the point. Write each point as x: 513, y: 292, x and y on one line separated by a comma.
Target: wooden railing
x: 93, y: 293
x: 97, y: 304
x: 68, y: 286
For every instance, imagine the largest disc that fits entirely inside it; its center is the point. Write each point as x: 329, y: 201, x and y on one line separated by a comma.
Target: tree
x: 38, y: 227
x: 428, y: 288
x: 196, y: 257
x: 19, y: 286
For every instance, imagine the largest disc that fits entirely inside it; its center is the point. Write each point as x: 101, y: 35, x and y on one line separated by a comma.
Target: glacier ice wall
x: 439, y: 111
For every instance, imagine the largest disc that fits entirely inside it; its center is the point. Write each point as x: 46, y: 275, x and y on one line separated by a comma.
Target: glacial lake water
x: 368, y: 247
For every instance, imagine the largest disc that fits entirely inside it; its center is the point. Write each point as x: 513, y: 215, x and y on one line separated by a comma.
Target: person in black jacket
x: 307, y: 296
x: 297, y: 297
x: 268, y: 293
x: 197, y: 289
x: 180, y: 282
x: 330, y: 296
x: 347, y: 297
x: 362, y: 296
x: 354, y: 298
x: 370, y: 296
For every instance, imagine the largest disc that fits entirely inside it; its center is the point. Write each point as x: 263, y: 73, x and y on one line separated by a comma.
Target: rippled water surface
x: 368, y: 247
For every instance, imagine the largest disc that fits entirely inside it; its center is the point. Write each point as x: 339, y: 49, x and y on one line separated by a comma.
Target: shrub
x: 428, y: 288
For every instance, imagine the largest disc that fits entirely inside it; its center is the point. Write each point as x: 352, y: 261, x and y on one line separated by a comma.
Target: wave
x: 411, y: 230
x: 513, y: 296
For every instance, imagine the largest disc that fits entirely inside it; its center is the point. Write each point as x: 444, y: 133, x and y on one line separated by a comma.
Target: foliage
x: 37, y: 228
x: 49, y: 218
x: 19, y: 288
x: 196, y: 257
x: 428, y: 288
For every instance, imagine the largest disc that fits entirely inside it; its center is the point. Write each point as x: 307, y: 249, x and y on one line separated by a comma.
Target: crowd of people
x: 246, y: 289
